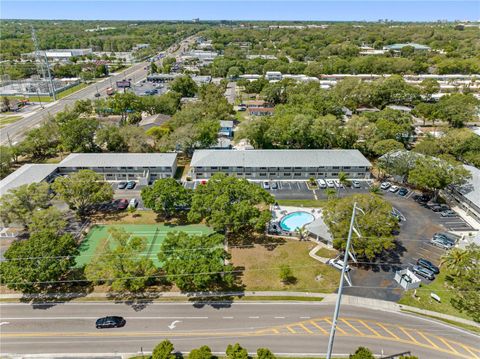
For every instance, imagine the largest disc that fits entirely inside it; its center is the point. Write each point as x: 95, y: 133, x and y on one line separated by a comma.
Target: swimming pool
x: 295, y: 220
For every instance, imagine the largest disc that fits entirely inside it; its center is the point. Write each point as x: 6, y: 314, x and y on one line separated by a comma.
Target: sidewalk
x: 326, y: 298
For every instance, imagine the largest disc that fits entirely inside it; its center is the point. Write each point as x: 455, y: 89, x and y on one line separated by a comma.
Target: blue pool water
x: 295, y: 220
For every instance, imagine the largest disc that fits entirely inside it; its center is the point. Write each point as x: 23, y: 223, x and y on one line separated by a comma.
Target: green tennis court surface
x: 99, y: 237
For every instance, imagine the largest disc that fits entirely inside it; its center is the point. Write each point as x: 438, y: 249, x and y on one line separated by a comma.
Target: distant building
x: 153, y: 121
x: 367, y: 50
x: 399, y: 47
x: 273, y: 76
x: 202, y: 80
x: 140, y: 46
x: 280, y: 164
x: 256, y: 103
x: 251, y: 77
x: 226, y: 129
x: 162, y: 77
x: 264, y: 57
x: 468, y: 195
x: 61, y: 54
x: 260, y: 111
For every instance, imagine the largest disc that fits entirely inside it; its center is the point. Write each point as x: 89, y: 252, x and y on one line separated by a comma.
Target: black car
x: 422, y: 262
x: 402, y: 191
x: 422, y: 199
x: 131, y: 185
x: 110, y: 322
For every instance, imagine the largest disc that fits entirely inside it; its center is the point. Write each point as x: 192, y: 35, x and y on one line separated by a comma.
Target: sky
x: 321, y: 10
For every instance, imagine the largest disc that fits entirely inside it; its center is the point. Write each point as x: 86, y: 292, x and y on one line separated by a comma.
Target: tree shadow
x: 249, y: 240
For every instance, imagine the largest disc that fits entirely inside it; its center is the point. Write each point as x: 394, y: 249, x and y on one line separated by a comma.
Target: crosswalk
x: 372, y: 329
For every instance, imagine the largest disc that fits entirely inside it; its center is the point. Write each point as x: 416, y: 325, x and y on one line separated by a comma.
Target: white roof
x: 119, y: 160
x: 471, y: 190
x: 278, y: 158
x: 27, y: 174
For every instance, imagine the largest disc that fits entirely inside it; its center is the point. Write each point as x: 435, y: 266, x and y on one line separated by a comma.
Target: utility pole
x: 342, y: 279
x: 40, y: 64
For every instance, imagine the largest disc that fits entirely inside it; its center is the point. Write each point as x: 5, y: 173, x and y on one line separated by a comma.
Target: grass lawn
x: 262, y: 262
x: 424, y: 301
x: 71, y: 90
x: 302, y: 202
x: 326, y: 253
x: 6, y: 120
x: 99, y: 237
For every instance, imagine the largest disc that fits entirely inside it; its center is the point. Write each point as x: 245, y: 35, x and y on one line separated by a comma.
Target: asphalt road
x: 293, y: 328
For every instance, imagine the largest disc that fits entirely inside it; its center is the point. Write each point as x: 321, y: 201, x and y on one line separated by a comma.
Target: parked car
x: 441, y: 242
x: 394, y: 189
x: 402, y: 191
x: 120, y: 204
x: 422, y: 198
x: 424, y: 272
x: 385, y: 185
x: 436, y: 207
x: 447, y: 236
x: 448, y: 213
x: 322, y: 183
x: 330, y: 184
x: 265, y: 185
x: 97, y: 94
x: 422, y: 262
x: 122, y: 185
x: 133, y: 203
x: 337, y: 184
x: 274, y: 185
x: 355, y: 184
x: 131, y: 185
x: 338, y: 263
x: 110, y: 322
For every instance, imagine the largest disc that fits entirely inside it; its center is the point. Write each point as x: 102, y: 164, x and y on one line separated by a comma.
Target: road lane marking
x: 90, y: 318
x: 291, y: 330
x: 305, y: 328
x: 227, y: 317
x: 279, y: 317
x: 319, y: 327
x: 174, y: 324
x: 337, y: 327
x: 351, y: 326
x: 428, y: 340
x: 387, y: 330
x: 468, y: 350
x: 4, y: 323
x: 254, y: 317
x: 305, y: 317
x: 408, y: 335
x: 448, y: 345
x: 369, y: 328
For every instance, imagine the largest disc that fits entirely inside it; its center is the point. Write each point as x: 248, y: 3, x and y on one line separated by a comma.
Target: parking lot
x: 128, y: 193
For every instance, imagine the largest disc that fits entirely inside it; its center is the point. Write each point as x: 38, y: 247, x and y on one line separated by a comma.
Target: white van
x: 133, y: 203
x: 322, y: 183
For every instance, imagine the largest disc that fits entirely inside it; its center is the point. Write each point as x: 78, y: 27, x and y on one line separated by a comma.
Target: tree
x: 41, y: 142
x: 462, y: 275
x: 231, y: 205
x: 429, y: 87
x: 457, y: 109
x: 153, y: 68
x: 50, y: 219
x: 362, y: 353
x: 330, y: 192
x: 343, y: 179
x: 77, y: 135
x: 6, y: 159
x: 18, y: 205
x: 434, y: 174
x: 166, y: 196
x: 195, y: 263
x: 83, y: 189
x: 375, y: 224
x: 121, y: 263
x: 384, y: 146
x: 38, y: 263
x: 163, y: 350
x: 185, y: 86
x: 236, y: 352
x: 204, y: 352
x: 375, y: 189
x: 286, y: 274
x: 264, y: 353
x: 110, y: 138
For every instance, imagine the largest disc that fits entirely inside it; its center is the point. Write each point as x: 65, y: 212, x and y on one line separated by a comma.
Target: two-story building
x: 280, y: 164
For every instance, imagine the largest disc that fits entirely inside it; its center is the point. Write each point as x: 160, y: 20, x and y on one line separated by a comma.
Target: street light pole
x: 340, y: 288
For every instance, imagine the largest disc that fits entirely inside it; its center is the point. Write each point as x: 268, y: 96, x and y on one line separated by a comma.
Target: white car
x: 338, y: 263
x: 337, y: 183
x: 133, y: 203
x: 330, y: 184
x: 322, y: 183
x: 356, y: 184
x: 394, y: 189
x: 385, y: 185
x: 266, y: 185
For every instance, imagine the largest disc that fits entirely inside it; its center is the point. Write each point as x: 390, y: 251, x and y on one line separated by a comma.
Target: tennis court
x: 99, y: 238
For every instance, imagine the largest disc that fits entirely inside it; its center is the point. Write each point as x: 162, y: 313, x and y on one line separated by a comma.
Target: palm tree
x: 375, y: 189
x: 343, y: 179
x: 302, y: 232
x: 330, y: 193
x: 454, y: 260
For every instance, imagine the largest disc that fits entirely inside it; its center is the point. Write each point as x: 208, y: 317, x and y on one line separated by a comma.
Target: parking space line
x: 408, y: 335
x: 351, y: 326
x: 319, y: 327
x: 369, y: 328
x: 387, y: 330
x: 428, y: 340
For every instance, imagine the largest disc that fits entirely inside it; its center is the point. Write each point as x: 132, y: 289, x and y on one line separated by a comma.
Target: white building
x: 273, y: 75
